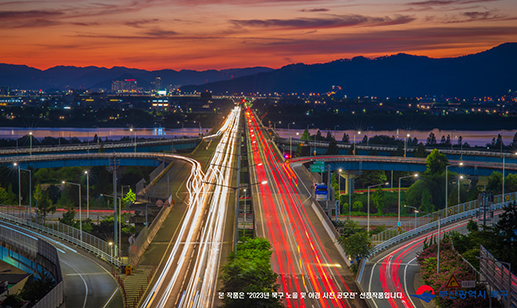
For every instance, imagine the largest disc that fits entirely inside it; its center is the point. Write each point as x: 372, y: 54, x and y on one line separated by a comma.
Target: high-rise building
x: 126, y: 85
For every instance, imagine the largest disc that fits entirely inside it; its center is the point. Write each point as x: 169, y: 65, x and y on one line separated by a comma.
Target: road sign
x: 468, y: 284
x: 453, y: 283
x: 317, y: 168
x: 399, y: 228
x: 450, y: 211
x: 319, y: 162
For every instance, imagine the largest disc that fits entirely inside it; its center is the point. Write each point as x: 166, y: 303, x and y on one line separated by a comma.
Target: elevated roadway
x: 312, y: 271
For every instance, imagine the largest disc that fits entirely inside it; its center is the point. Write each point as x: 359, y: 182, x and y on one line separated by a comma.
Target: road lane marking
x: 84, y: 281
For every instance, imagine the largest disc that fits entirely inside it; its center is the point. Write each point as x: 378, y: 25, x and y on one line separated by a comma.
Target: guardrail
x: 426, y: 219
x: 93, y: 244
x: 426, y: 228
x: 499, y: 276
x: 32, y: 247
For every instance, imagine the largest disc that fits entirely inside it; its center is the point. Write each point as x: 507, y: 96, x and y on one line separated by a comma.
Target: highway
x: 306, y: 260
x: 189, y: 275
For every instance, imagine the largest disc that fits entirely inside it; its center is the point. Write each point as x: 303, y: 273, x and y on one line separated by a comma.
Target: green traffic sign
x: 317, y: 168
x: 319, y: 162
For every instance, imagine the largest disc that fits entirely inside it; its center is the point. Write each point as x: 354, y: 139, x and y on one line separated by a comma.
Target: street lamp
x: 87, y: 194
x: 415, y: 211
x: 19, y: 185
x: 447, y: 187
x: 400, y: 178
x: 358, y: 133
x: 80, y: 214
x: 405, y: 144
x: 30, y: 137
x: 134, y: 134
x: 459, y: 182
x: 111, y: 248
x: 20, y: 191
x: 274, y: 124
x: 290, y: 140
x: 371, y: 186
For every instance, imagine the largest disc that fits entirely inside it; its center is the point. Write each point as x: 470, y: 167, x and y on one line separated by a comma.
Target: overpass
x: 409, y: 164
x: 387, y: 150
x: 139, y: 146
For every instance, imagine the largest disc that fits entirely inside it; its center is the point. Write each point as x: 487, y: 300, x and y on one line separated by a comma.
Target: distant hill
x: 490, y: 72
x: 71, y: 77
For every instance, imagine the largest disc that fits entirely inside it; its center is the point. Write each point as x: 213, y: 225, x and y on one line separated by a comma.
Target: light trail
x: 202, y: 227
x: 298, y: 257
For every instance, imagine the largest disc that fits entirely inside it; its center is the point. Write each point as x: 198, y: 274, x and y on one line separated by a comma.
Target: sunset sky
x: 219, y: 34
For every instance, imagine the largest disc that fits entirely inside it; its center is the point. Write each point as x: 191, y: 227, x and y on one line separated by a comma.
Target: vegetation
x: 355, y: 242
x: 250, y: 271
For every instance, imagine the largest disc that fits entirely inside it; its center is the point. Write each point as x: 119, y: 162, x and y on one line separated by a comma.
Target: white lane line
x: 405, y: 281
x: 111, y: 297
x: 84, y: 281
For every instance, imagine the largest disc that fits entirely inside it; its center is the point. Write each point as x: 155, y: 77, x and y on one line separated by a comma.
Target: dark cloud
x: 448, y: 2
x: 393, y: 41
x: 160, y: 33
x: 141, y: 23
x: 314, y: 10
x: 19, y: 15
x: 330, y: 22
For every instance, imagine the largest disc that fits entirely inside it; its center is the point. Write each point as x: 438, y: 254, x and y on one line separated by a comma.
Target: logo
x: 425, y: 293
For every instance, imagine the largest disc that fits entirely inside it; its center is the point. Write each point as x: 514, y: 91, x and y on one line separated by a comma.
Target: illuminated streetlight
x: 80, y: 214
x: 400, y: 178
x: 447, y: 188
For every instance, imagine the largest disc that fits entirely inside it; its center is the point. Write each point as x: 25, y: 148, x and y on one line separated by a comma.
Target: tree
x: 365, y: 140
x: 333, y: 148
x: 506, y: 226
x: 378, y: 199
x: 420, y: 151
x: 4, y: 196
x: 346, y: 138
x: 329, y: 136
x: 357, y: 206
x: 356, y: 246
x: 306, y: 135
x: 319, y: 136
x: 431, y: 140
x: 250, y: 271
x: 436, y: 162
x: 495, y: 183
x: 44, y: 204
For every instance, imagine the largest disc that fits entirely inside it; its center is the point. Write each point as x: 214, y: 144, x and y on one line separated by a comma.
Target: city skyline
x: 221, y: 34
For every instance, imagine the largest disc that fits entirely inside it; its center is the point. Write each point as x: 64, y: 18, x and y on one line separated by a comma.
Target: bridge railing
x: 510, y: 197
x: 425, y: 220
x: 434, y: 223
x: 93, y: 244
x: 499, y: 276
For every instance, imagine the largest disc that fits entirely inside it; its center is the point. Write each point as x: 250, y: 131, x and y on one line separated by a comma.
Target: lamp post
x: 134, y: 134
x: 459, y: 182
x: 415, y: 211
x: 111, y: 248
x: 30, y: 137
x: 19, y: 185
x: 274, y: 124
x: 290, y: 140
x: 80, y: 213
x: 87, y: 194
x: 405, y: 146
x: 245, y: 206
x: 400, y: 178
x: 358, y: 133
x: 371, y: 186
x: 447, y: 187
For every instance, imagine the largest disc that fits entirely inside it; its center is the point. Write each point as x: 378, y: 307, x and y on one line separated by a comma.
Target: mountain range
x: 488, y: 73
x: 71, y: 77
